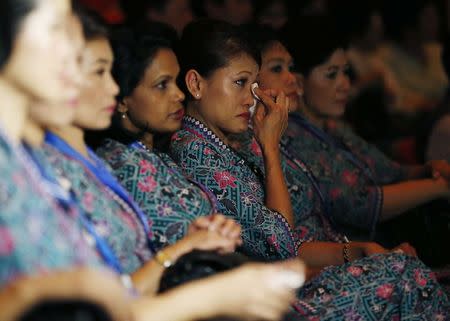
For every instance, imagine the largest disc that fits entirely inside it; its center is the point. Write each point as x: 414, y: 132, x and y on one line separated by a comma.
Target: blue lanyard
x: 67, y: 201
x: 100, y: 171
x: 211, y: 197
x: 328, y: 139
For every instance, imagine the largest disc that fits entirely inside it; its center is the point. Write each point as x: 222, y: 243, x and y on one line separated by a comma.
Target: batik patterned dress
x: 381, y: 287
x: 37, y: 235
x: 111, y: 217
x: 350, y: 172
x: 170, y: 200
x: 204, y: 158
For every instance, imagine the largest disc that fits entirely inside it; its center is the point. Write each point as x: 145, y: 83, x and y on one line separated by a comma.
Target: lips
x: 178, y: 115
x: 245, y: 115
x: 111, y: 108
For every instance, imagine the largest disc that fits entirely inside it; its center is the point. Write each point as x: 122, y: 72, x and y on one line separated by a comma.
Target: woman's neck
x: 74, y: 136
x: 14, y: 113
x: 191, y: 110
x: 147, y: 139
x: 313, y: 118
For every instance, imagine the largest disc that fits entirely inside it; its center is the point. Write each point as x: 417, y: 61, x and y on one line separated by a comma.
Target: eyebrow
x: 281, y: 60
x: 244, y: 72
x: 103, y: 61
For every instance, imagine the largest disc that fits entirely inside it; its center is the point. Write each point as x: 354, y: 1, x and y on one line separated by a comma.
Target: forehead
x: 99, y: 48
x: 337, y: 58
x: 164, y: 61
x: 276, y: 51
x: 242, y: 63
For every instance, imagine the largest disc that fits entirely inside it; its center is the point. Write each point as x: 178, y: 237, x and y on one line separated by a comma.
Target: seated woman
x: 218, y: 75
x: 149, y: 107
x: 361, y: 186
x: 42, y: 229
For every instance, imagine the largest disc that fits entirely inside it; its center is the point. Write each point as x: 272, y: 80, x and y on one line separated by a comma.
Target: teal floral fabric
x: 206, y: 159
x: 37, y: 234
x: 115, y: 222
x: 169, y: 199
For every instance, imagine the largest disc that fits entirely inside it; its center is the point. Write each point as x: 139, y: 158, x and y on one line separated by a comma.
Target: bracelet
x: 346, y: 252
x: 163, y: 259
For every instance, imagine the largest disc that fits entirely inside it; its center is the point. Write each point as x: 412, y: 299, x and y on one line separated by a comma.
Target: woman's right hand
x: 258, y: 291
x: 271, y: 118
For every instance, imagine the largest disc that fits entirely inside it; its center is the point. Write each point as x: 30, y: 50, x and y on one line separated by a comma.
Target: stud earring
x: 124, y: 115
x: 197, y: 95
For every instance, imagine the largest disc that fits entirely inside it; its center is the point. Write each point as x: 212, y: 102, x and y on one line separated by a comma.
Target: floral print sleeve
x: 36, y: 235
x: 266, y: 233
x: 170, y: 201
x: 386, y: 171
x: 355, y: 199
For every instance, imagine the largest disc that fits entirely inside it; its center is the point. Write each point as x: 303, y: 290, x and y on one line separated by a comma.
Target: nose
x: 344, y: 83
x: 112, y: 86
x: 179, y: 95
x: 249, y: 100
x: 290, y: 78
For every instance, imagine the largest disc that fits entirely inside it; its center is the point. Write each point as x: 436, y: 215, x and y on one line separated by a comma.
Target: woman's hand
x: 363, y: 249
x: 439, y: 168
x: 218, y: 223
x: 209, y: 240
x: 97, y: 286
x: 258, y: 291
x: 271, y: 118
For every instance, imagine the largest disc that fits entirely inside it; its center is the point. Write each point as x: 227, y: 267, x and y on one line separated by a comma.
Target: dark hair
x: 65, y: 310
x: 133, y: 52
x: 353, y: 17
x: 12, y: 14
x: 207, y: 45
x: 92, y: 23
x: 312, y: 41
x: 136, y: 10
x: 403, y: 15
x: 261, y: 37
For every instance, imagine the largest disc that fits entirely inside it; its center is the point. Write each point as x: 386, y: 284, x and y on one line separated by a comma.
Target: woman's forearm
x: 277, y: 194
x: 401, y: 197
x: 146, y: 279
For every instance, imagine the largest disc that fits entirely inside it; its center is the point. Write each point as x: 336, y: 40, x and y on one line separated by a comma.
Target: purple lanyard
x: 211, y: 197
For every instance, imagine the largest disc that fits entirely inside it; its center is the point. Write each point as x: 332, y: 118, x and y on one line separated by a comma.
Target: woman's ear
x: 122, y: 106
x: 194, y: 83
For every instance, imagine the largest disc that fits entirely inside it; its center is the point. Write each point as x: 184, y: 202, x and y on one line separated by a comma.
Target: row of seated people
x: 134, y: 206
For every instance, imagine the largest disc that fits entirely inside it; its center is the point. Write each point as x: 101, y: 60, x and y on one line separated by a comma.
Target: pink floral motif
x: 88, y: 202
x: 146, y: 167
x: 355, y: 271
x: 335, y: 193
x: 273, y: 241
x: 225, y: 179
x: 420, y: 280
x: 207, y: 151
x: 349, y: 178
x: 148, y: 185
x: 256, y: 149
x: 385, y: 291
x: 6, y: 242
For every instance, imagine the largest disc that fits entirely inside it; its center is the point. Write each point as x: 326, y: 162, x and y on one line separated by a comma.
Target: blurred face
x: 156, y: 101
x: 39, y: 64
x: 327, y: 87
x: 178, y: 14
x: 226, y: 96
x: 61, y: 113
x: 238, y: 11
x: 98, y: 90
x: 275, y: 15
x: 276, y: 73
